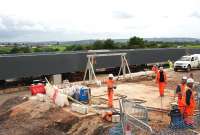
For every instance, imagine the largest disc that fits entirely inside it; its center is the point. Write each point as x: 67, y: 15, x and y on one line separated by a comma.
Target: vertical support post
x: 90, y: 69
x: 120, y: 69
x: 161, y: 102
x: 92, y: 72
x: 124, y: 67
x: 86, y: 70
x: 119, y: 72
x: 121, y: 100
x: 128, y: 66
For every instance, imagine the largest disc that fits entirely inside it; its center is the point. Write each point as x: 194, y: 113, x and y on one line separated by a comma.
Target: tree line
x: 132, y: 43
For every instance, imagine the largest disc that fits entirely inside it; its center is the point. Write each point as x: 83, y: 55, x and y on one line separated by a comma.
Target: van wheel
x: 188, y: 68
x: 175, y: 69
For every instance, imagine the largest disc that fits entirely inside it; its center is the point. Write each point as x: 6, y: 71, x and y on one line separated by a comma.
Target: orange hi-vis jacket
x: 181, y: 95
x: 110, y: 85
x: 189, y: 102
x: 161, y: 80
x: 158, y: 76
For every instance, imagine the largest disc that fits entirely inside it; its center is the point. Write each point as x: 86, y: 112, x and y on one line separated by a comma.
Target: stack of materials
x: 57, y: 97
x: 37, y: 88
x: 83, y: 109
x: 42, y: 97
x: 78, y: 92
x: 60, y: 93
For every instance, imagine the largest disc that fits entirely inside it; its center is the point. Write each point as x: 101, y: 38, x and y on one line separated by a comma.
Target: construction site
x: 59, y: 106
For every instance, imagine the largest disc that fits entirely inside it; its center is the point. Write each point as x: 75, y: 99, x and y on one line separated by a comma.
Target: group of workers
x: 186, y: 99
x: 184, y: 92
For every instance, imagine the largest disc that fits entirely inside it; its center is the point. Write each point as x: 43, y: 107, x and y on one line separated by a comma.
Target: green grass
x: 61, y: 48
x: 192, y: 46
x: 5, y: 50
x: 65, y: 47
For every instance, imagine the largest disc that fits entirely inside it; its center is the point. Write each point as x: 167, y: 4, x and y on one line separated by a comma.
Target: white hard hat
x: 190, y: 80
x: 110, y: 76
x: 184, y: 78
x: 161, y: 68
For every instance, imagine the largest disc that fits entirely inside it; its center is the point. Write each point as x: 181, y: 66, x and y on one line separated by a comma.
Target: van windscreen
x: 185, y: 59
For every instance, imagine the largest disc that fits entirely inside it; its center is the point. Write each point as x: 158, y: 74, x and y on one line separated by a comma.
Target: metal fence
x: 134, y: 121
x: 198, y: 95
x: 134, y: 118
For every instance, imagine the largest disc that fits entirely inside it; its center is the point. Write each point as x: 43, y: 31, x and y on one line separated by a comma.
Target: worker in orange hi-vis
x: 161, y: 79
x: 110, y: 85
x: 180, y: 91
x: 189, y: 101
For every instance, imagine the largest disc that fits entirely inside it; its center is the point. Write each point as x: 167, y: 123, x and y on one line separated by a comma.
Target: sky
x: 69, y: 20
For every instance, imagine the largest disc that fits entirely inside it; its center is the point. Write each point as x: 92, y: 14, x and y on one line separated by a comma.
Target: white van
x: 187, y: 62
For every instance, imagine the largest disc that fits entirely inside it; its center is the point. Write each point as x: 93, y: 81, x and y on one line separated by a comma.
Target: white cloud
x: 195, y: 14
x: 85, y: 19
x: 122, y: 15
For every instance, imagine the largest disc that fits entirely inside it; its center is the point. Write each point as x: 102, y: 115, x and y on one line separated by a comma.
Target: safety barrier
x: 198, y: 95
x: 134, y: 121
x: 134, y: 117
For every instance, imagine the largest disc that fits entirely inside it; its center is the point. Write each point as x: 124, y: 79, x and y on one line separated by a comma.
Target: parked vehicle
x: 187, y: 62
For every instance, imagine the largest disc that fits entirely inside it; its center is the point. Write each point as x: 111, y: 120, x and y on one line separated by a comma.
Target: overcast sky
x: 65, y: 20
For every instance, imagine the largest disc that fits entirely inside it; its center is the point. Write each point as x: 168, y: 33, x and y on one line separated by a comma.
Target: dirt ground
x: 5, y: 97
x: 146, y: 89
x: 20, y: 116
x: 136, y: 91
x: 40, y: 118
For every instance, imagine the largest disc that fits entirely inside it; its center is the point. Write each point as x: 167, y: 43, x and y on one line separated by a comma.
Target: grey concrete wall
x: 15, y: 66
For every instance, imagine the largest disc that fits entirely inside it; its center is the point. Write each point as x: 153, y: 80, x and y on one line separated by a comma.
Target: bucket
x: 176, y: 119
x: 83, y: 95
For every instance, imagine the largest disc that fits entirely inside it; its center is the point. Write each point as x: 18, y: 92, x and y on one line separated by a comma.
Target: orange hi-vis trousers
x: 161, y: 86
x: 110, y: 98
x: 188, y: 115
x: 181, y: 105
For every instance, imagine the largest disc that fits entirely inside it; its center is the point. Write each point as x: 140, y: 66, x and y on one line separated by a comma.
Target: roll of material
x: 79, y: 108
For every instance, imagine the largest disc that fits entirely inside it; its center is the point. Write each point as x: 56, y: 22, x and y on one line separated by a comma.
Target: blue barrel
x: 176, y: 119
x: 83, y: 95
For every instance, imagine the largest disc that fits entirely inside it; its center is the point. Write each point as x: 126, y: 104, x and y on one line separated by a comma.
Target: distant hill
x: 86, y: 42
x: 147, y: 39
x: 79, y: 42
x: 173, y: 39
